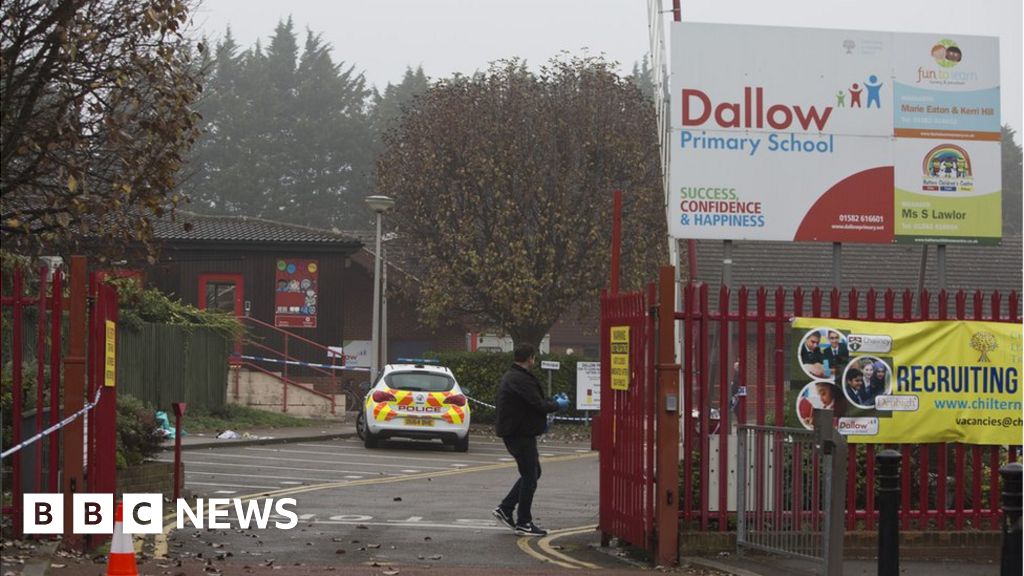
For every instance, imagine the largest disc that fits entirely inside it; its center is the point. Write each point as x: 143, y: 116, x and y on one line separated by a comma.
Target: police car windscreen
x: 420, y: 381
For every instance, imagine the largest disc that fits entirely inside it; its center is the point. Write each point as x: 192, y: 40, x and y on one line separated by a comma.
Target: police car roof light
x: 417, y: 361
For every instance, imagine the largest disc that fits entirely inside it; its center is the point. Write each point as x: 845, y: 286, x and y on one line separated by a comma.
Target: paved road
x: 408, y: 504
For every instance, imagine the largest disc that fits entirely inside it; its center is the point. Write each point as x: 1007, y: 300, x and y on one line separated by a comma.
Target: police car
x: 415, y: 399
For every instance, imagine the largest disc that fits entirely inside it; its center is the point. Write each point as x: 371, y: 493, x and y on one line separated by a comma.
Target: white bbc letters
x: 141, y: 513
x: 93, y: 514
x: 43, y: 514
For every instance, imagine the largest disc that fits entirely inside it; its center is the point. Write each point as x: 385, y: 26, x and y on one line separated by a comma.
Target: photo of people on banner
x: 840, y: 382
x: 938, y: 381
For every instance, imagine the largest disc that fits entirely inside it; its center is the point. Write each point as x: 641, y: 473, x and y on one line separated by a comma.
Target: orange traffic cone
x: 122, y: 552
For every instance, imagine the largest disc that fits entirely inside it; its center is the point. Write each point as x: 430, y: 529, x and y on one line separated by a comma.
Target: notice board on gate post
x: 620, y: 357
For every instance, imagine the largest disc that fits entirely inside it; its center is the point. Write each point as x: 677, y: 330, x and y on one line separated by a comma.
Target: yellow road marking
x: 160, y: 549
x: 545, y: 544
x: 524, y: 544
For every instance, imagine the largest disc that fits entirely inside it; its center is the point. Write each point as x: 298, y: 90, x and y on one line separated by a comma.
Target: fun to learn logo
x: 946, y: 53
x: 947, y: 168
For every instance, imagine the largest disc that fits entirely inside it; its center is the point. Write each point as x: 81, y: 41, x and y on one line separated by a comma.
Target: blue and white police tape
x: 559, y: 418
x: 54, y: 428
x: 299, y: 363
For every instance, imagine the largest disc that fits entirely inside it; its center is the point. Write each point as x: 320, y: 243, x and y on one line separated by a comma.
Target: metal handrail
x: 286, y: 333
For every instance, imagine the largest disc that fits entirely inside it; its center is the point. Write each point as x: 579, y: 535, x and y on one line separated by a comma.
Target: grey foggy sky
x: 382, y: 37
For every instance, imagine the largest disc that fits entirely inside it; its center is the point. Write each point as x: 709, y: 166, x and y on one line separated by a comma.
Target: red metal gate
x: 639, y: 428
x: 60, y: 332
x: 945, y: 486
x: 626, y: 425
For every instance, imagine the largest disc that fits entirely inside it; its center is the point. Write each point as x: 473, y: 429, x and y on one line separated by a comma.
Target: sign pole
x: 940, y: 257
x: 837, y: 264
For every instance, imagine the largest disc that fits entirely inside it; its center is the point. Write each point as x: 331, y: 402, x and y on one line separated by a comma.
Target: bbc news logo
x: 143, y: 513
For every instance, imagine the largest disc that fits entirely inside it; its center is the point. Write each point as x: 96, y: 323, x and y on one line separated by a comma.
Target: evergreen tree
x: 287, y: 134
x: 1011, y: 152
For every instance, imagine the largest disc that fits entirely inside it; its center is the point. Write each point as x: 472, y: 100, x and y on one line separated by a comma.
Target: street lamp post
x: 380, y: 205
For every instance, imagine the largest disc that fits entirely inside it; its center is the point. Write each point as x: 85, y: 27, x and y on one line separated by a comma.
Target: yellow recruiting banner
x: 915, y: 382
x: 620, y: 357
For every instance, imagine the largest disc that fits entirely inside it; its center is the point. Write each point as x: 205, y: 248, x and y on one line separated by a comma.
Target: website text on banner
x: 834, y: 135
x: 915, y: 382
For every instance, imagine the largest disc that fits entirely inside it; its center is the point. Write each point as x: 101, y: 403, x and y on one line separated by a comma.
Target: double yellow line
x: 548, y: 553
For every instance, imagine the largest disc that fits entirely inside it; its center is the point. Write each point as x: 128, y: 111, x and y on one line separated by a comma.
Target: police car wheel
x: 462, y: 444
x: 361, y: 425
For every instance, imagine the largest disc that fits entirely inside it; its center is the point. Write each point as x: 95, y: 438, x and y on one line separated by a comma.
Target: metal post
x: 920, y: 278
x: 837, y: 265
x: 179, y: 413
x: 940, y: 260
x: 616, y: 239
x: 1011, y: 554
x: 549, y: 383
x: 741, y: 486
x: 667, y: 425
x: 888, y: 512
x: 384, y: 306
x: 727, y: 263
x: 73, y: 436
x: 833, y: 447
x: 375, y: 335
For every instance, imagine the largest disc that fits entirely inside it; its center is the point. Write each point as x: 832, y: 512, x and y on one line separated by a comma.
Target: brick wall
x: 149, y: 477
x: 963, y: 545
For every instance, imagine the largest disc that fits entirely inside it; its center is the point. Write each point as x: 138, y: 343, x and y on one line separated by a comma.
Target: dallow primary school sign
x: 834, y: 135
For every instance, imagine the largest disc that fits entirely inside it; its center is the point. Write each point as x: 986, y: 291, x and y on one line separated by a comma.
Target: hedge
x: 480, y: 373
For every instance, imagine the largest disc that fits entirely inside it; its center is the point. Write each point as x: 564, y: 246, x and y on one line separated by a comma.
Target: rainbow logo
x: 947, y: 161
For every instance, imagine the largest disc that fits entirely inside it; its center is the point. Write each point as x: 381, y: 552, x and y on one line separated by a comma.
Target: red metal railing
x: 89, y: 305
x: 926, y: 467
x: 286, y: 360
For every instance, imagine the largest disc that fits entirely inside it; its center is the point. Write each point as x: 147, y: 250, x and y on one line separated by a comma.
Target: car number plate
x: 418, y: 421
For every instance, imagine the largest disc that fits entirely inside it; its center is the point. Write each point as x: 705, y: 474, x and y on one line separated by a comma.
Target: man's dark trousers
x: 524, y: 450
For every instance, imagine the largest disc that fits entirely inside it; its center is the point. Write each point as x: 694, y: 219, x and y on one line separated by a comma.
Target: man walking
x: 522, y: 416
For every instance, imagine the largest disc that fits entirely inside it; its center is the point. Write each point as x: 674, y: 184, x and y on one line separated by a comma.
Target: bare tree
x: 96, y: 119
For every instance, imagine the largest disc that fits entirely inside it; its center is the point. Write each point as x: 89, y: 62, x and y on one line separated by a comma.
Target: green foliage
x: 96, y: 113
x: 505, y: 181
x: 139, y: 305
x: 480, y: 373
x: 286, y: 134
x: 240, y: 418
x: 137, y: 439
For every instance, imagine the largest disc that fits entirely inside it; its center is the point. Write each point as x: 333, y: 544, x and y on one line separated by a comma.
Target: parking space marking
x: 225, y: 492
x: 289, y: 468
x: 298, y: 460
x: 411, y: 471
x: 375, y: 455
x: 289, y: 482
x: 293, y: 479
x: 249, y: 486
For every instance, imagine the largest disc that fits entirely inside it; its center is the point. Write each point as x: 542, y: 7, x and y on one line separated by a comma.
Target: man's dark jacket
x: 521, y: 406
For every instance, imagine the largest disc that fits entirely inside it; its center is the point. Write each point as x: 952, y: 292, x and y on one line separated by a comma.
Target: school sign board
x: 834, y: 135
x: 913, y: 382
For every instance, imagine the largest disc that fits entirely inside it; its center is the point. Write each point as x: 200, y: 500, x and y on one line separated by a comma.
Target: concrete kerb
x: 242, y: 442
x: 715, y: 565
